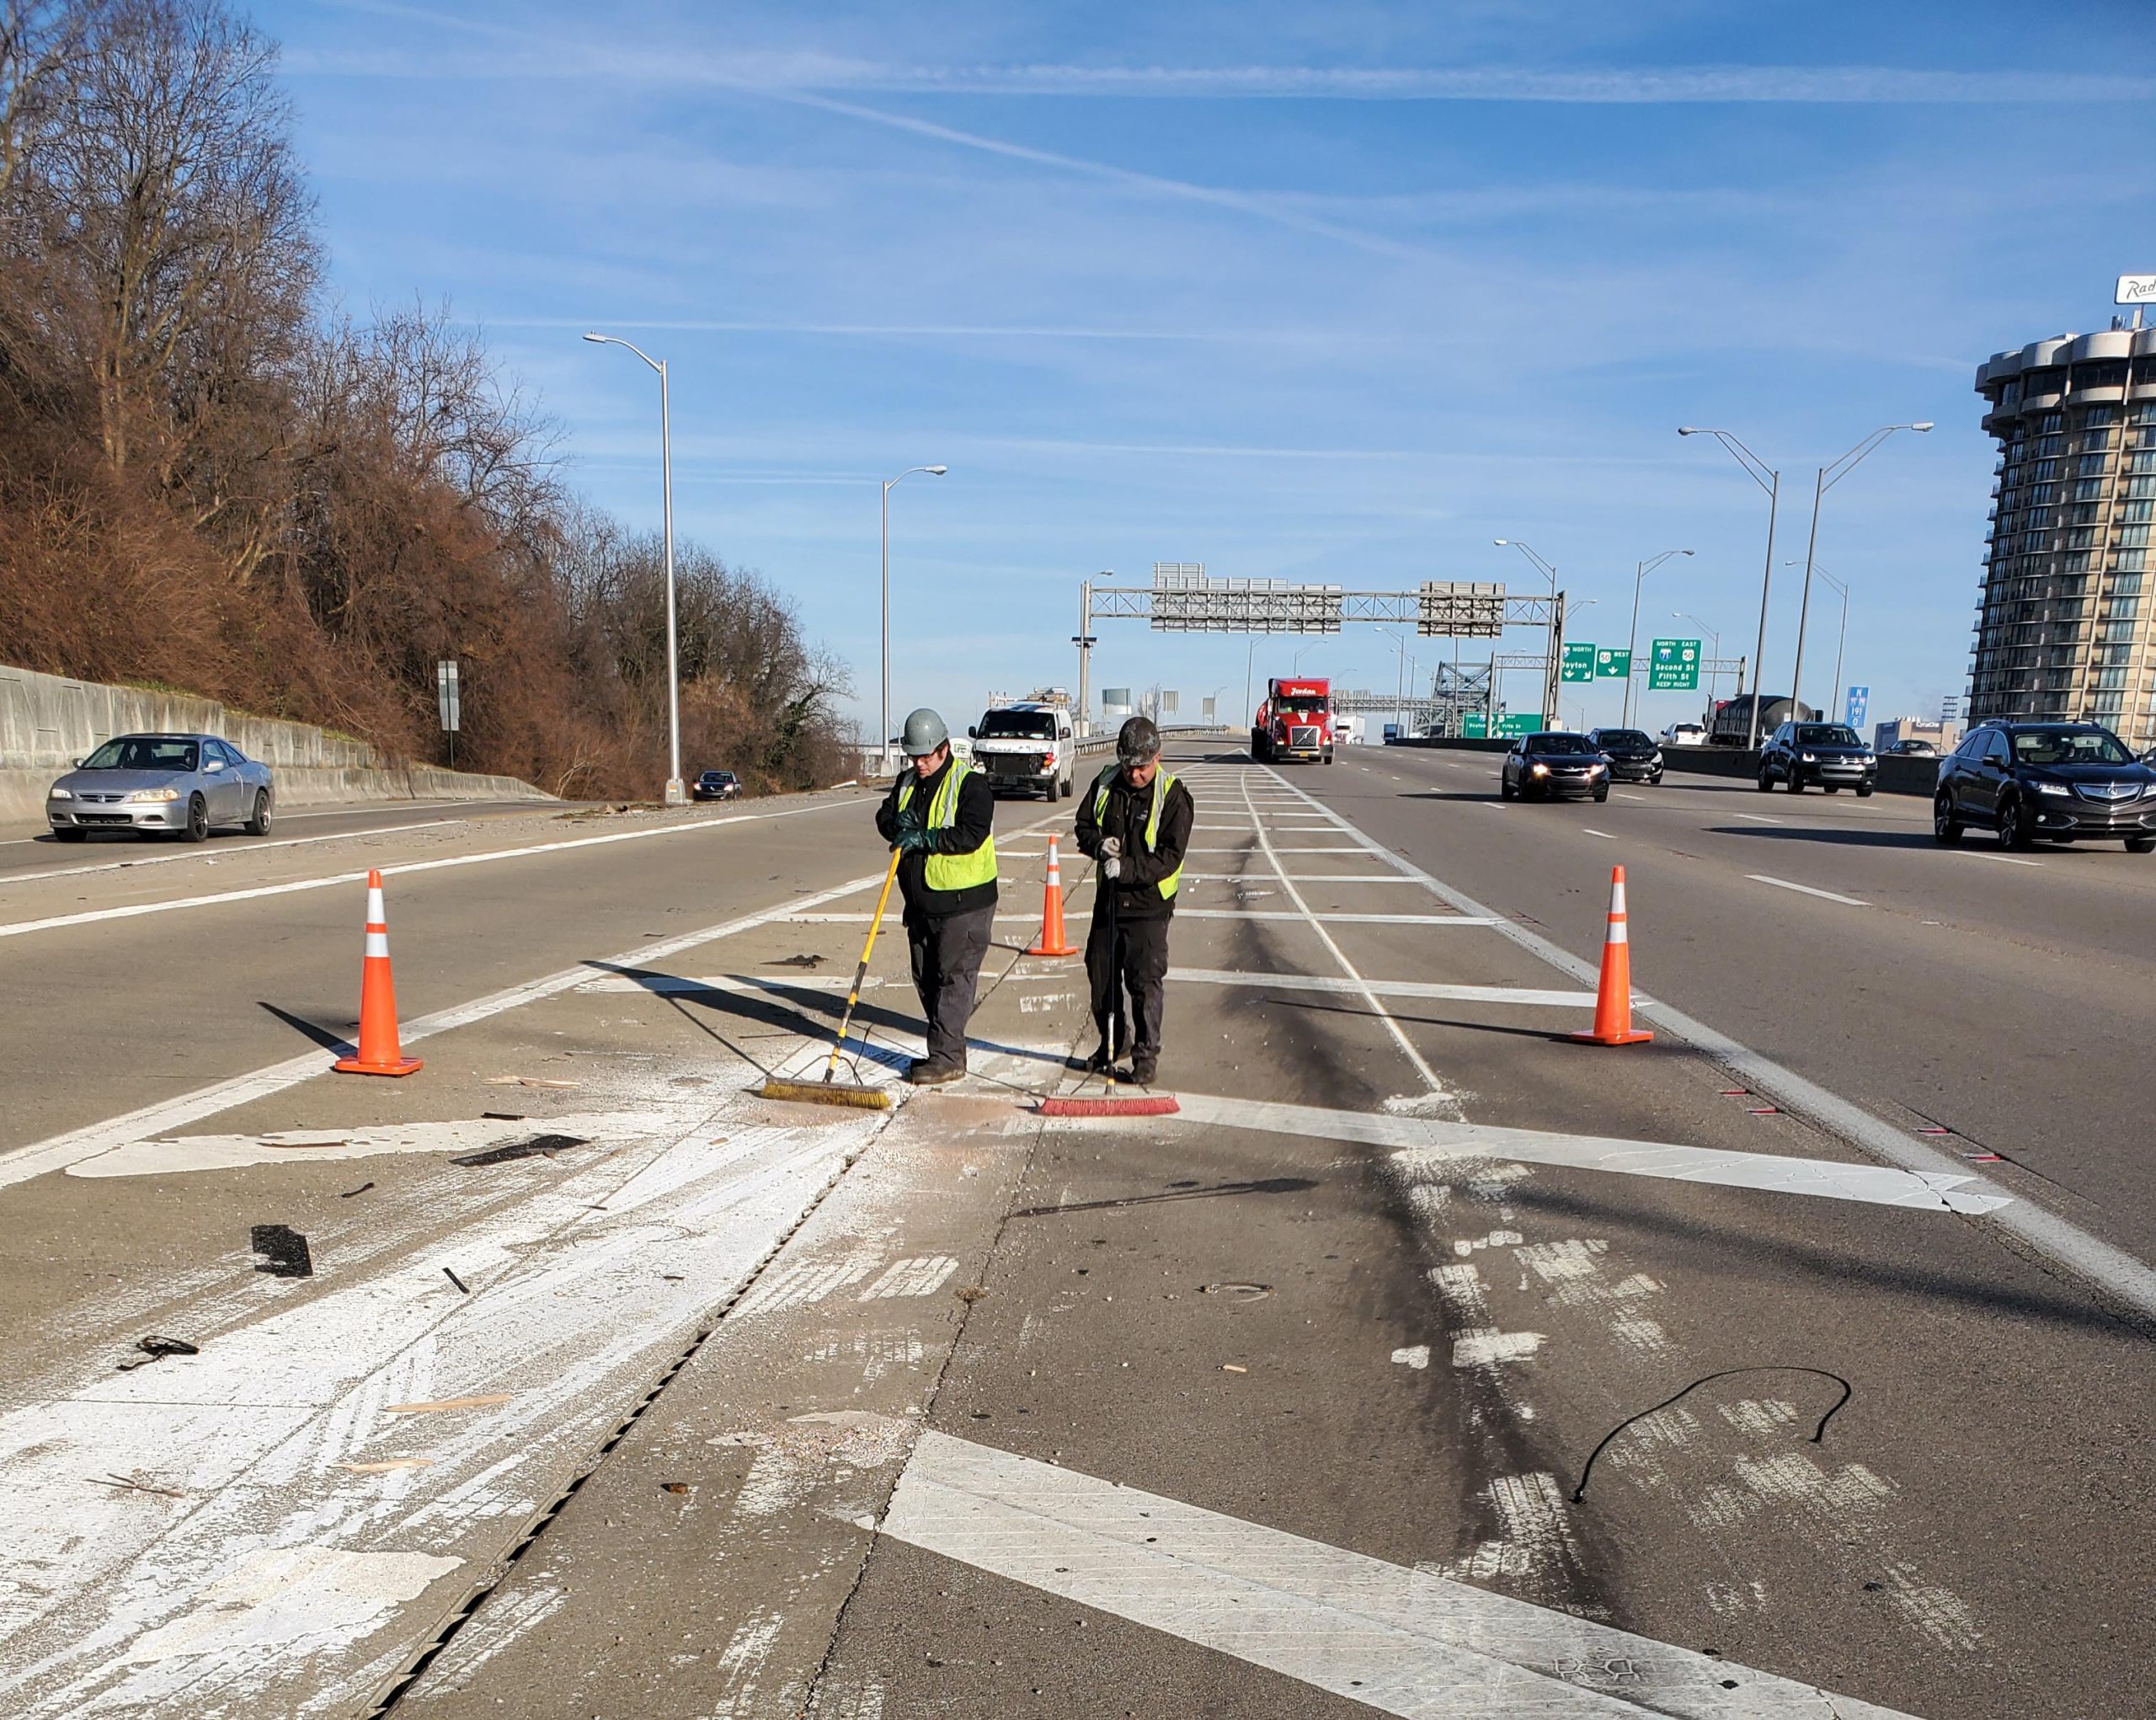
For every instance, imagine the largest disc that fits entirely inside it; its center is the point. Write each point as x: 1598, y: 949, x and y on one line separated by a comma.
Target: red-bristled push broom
x: 1075, y: 1105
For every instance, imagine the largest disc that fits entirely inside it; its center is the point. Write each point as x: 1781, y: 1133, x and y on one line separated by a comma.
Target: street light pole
x: 1639, y: 571
x: 1400, y: 684
x: 1550, y: 657
x: 676, y: 792
x: 1829, y: 476
x: 1770, y: 480
x: 1841, y: 637
x: 883, y: 742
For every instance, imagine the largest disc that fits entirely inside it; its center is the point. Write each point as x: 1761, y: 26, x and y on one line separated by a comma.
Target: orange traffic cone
x: 1613, y: 997
x: 379, y: 1052
x: 1053, y: 940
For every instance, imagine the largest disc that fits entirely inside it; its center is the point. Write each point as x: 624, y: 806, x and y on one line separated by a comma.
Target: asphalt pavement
x: 1425, y: 1362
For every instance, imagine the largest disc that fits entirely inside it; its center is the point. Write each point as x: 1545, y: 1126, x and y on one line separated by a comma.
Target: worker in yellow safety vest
x: 1135, y: 823
x: 940, y: 817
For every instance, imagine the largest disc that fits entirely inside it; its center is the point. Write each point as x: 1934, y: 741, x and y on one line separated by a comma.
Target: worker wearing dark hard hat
x: 939, y: 815
x: 1135, y: 823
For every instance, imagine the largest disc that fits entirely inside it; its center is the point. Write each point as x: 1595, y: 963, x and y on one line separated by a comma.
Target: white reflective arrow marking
x: 1398, y: 1641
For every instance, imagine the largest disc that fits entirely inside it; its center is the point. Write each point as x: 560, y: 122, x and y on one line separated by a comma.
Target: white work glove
x: 1111, y: 847
x: 1111, y: 868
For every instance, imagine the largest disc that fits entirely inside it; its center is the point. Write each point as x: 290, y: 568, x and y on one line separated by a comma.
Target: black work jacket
x: 1137, y: 896
x: 975, y: 823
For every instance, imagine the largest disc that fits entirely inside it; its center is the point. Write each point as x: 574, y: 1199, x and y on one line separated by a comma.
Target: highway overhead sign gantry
x: 1674, y: 667
x: 1578, y: 664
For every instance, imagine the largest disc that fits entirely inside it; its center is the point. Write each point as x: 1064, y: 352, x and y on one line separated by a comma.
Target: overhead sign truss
x: 1183, y: 598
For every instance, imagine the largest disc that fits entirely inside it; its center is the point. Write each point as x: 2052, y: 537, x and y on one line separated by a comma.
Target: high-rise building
x: 2065, y: 630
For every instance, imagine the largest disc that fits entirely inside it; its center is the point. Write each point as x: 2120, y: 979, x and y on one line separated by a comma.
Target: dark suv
x: 1828, y: 754
x: 1632, y: 754
x: 2064, y: 782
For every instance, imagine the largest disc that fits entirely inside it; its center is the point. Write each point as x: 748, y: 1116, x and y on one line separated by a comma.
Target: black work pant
x: 946, y: 958
x: 1140, y: 967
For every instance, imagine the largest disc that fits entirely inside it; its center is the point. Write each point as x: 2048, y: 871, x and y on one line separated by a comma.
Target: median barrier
x: 47, y: 722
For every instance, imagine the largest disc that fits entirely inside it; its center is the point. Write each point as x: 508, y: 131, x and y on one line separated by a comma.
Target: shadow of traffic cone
x: 1053, y: 940
x: 379, y: 1052
x: 1613, y: 996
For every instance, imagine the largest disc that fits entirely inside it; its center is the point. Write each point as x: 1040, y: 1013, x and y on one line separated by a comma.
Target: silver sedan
x: 182, y: 784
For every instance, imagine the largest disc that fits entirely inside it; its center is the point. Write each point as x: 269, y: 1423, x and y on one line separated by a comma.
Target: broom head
x: 1160, y: 1105
x: 831, y: 1092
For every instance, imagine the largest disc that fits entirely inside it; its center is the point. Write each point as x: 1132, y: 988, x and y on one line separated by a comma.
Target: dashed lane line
x: 1824, y: 895
x: 2125, y: 1284
x: 137, y: 910
x: 1586, y: 830
x: 432, y: 824
x: 1387, y: 1638
x: 1760, y: 818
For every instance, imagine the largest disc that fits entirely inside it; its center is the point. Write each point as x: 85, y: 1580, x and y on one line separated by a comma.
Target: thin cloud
x: 926, y: 331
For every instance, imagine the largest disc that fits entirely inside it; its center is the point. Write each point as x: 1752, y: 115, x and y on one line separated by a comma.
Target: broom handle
x: 861, y: 973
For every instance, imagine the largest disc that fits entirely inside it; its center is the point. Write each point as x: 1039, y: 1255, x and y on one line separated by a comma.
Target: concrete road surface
x: 1425, y: 1362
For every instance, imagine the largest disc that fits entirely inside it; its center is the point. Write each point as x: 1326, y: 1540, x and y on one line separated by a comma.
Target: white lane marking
x: 1433, y: 1146
x: 13, y: 878
x: 1824, y: 895
x: 279, y: 1597
x: 1400, y: 1038
x: 2114, y: 1272
x: 1331, y: 919
x: 1398, y: 1641
x: 2003, y: 859
x: 1605, y: 834
x: 1299, y: 877
x: 1622, y: 795
x: 1760, y: 818
x: 311, y: 1146
x: 1390, y: 988
x: 167, y: 1115
x: 676, y: 985
x: 922, y: 1276
x: 134, y: 910
x: 1413, y: 1355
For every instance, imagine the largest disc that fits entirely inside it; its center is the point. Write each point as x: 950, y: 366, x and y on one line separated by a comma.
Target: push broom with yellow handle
x: 831, y: 1090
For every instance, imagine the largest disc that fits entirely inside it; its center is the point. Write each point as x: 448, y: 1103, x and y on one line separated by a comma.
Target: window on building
x: 2088, y: 489
x: 2095, y: 439
x: 2093, y: 465
x: 2092, y: 416
x: 2141, y: 486
x: 2042, y: 496
x: 2122, y: 609
x: 2133, y: 536
x: 2051, y: 445
x: 2130, y: 561
x: 2081, y: 538
x: 2117, y: 632
x: 2043, y: 471
x: 2052, y: 422
x: 2084, y: 513
x: 2076, y: 561
x: 2142, y: 411
x: 2134, y: 512
x: 2125, y: 584
x: 2108, y: 373
x: 2144, y: 461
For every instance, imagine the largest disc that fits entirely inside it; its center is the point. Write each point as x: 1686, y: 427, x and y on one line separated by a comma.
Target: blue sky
x: 1334, y: 293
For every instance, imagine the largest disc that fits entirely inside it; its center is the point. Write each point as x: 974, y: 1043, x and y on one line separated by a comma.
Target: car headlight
x: 1537, y: 769
x: 2051, y: 788
x: 1596, y: 770
x: 142, y: 797
x: 57, y: 793
x: 1810, y: 758
x: 1654, y: 757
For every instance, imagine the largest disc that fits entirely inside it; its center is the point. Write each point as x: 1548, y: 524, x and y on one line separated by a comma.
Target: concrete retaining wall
x: 47, y: 723
x: 1897, y: 775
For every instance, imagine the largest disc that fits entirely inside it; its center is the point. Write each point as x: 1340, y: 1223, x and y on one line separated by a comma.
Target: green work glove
x: 912, y: 839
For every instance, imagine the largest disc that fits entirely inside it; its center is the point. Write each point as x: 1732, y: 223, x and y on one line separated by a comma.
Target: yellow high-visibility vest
x: 951, y: 871
x: 1162, y: 782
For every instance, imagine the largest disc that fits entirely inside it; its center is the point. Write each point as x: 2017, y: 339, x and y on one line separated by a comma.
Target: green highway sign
x: 1475, y: 726
x: 1578, y: 664
x: 1612, y: 664
x: 1674, y: 667
x: 1520, y: 722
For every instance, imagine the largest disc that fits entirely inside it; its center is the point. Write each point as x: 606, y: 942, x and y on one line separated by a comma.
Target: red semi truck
x: 1296, y: 721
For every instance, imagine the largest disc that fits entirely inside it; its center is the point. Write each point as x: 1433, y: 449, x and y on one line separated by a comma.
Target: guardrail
x: 1898, y: 775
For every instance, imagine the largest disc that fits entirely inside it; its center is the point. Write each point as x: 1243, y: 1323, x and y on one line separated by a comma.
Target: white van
x: 1027, y: 748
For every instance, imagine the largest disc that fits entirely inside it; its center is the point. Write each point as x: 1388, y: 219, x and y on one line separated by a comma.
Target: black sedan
x: 2063, y: 782
x: 1632, y: 754
x: 1828, y: 755
x: 716, y: 785
x: 1554, y: 766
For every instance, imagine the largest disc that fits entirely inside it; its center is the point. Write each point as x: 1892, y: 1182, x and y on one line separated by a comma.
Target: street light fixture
x: 1639, y: 571
x: 1400, y: 684
x: 1829, y: 476
x: 676, y: 794
x: 1770, y: 481
x: 1549, y: 662
x: 883, y: 742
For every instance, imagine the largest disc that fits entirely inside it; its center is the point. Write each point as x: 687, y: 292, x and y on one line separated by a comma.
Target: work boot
x: 1143, y: 1070
x: 931, y: 1072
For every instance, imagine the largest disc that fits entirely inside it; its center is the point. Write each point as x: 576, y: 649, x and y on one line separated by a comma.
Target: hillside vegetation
x: 210, y: 478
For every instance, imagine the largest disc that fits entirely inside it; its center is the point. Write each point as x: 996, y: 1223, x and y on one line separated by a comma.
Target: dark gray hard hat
x: 924, y: 733
x: 1137, y: 741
